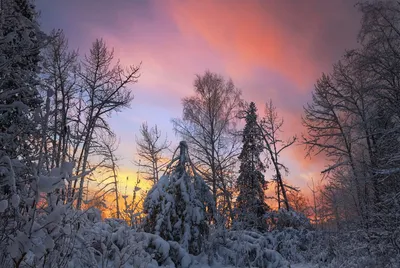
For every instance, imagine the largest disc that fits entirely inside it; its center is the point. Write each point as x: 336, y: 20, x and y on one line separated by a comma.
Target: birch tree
x: 208, y: 125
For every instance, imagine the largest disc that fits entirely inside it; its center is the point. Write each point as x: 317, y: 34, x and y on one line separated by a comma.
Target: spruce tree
x: 180, y: 204
x: 251, y: 183
x: 20, y: 42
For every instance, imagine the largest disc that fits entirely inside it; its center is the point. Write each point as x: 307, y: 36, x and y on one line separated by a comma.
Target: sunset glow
x: 271, y: 49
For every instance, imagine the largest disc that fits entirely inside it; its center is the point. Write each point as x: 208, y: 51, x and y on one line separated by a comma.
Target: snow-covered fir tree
x: 180, y: 204
x: 20, y: 42
x: 24, y: 230
x: 251, y: 183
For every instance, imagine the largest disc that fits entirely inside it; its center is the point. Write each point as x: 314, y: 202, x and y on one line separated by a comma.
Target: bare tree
x: 103, y: 91
x: 314, y: 196
x: 208, y: 125
x: 110, y: 169
x: 342, y: 123
x: 298, y: 202
x: 270, y: 126
x: 58, y: 87
x: 60, y: 68
x: 151, y: 149
x: 132, y: 210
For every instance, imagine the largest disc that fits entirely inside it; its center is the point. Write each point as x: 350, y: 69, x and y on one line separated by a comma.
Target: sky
x: 270, y: 49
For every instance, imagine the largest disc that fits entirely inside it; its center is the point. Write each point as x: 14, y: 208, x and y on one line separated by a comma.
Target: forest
x: 63, y: 203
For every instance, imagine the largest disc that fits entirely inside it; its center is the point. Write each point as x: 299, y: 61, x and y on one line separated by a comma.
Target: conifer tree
x: 251, y: 183
x: 20, y: 42
x: 179, y: 204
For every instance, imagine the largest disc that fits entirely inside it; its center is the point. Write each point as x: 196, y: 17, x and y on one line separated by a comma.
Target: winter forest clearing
x: 218, y: 195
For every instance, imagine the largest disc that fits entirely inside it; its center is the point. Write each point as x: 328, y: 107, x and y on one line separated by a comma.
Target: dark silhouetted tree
x: 250, y: 203
x: 151, y: 150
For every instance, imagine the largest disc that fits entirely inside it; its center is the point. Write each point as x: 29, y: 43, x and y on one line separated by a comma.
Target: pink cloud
x: 277, y: 36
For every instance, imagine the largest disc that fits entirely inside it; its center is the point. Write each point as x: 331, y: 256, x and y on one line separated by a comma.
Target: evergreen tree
x: 251, y: 183
x: 20, y: 42
x: 178, y: 205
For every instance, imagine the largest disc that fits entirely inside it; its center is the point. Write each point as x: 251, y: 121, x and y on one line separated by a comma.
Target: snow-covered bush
x: 110, y: 244
x: 353, y: 249
x: 244, y: 249
x: 177, y: 205
x: 287, y: 219
x: 36, y: 228
x: 296, y: 246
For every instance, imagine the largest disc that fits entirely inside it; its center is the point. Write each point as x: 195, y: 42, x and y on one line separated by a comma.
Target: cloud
x: 289, y: 37
x: 271, y: 49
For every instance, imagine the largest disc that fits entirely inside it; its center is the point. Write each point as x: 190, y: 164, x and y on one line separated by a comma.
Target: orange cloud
x: 297, y: 39
x: 247, y: 32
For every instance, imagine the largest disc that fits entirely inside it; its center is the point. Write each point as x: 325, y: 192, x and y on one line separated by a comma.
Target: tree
x: 208, y: 125
x: 178, y: 205
x: 150, y: 150
x: 133, y: 204
x: 23, y: 186
x: 270, y: 127
x: 314, y: 204
x: 20, y: 43
x: 104, y: 90
x: 299, y: 203
x: 353, y: 120
x: 330, y: 131
x: 110, y: 170
x: 251, y: 183
x: 380, y: 55
x: 59, y: 86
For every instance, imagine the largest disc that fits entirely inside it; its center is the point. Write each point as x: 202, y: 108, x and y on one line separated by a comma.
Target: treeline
x: 353, y: 120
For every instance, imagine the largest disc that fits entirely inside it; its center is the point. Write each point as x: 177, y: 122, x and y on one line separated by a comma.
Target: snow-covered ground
x: 303, y: 265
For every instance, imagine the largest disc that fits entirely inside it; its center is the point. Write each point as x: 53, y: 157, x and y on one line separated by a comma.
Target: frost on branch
x: 178, y: 206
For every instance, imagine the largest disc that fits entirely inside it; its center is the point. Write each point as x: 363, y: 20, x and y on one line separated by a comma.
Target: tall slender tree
x: 59, y: 71
x: 251, y: 183
x: 151, y: 151
x: 103, y: 90
x: 110, y: 169
x: 270, y: 127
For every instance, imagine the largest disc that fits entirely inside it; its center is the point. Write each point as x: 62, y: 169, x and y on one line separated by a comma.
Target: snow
x: 176, y: 205
x: 3, y: 205
x: 113, y: 245
x: 303, y: 265
x: 49, y: 243
x: 67, y: 229
x: 15, y: 199
x: 48, y: 184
